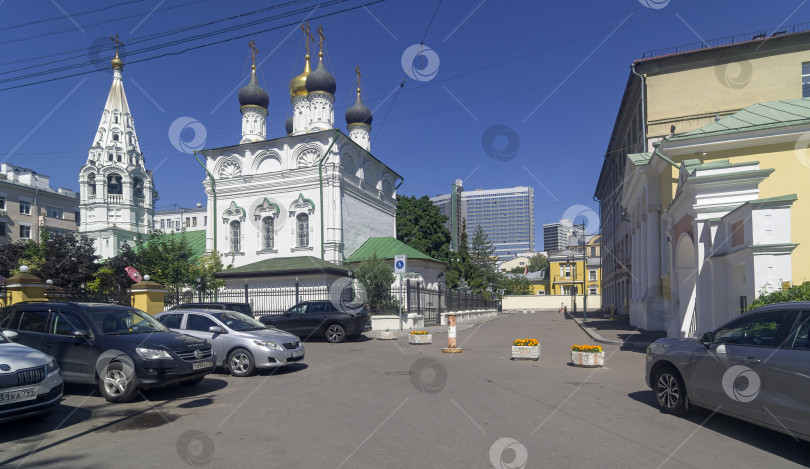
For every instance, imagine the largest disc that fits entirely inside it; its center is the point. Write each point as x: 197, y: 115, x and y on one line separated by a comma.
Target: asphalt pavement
x: 378, y: 403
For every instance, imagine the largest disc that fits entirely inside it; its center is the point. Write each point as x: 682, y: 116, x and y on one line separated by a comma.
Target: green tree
x: 376, y: 275
x: 517, y: 270
x: 516, y: 285
x: 482, y: 255
x: 166, y: 259
x: 10, y: 255
x: 204, y: 269
x: 420, y: 225
x: 794, y: 293
x: 538, y: 262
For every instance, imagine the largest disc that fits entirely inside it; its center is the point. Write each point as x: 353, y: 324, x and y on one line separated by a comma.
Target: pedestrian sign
x: 400, y: 264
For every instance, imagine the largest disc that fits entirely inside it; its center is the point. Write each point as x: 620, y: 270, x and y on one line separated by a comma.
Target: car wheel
x: 240, y: 363
x: 115, y: 385
x: 670, y: 391
x: 335, y: 333
x: 193, y: 382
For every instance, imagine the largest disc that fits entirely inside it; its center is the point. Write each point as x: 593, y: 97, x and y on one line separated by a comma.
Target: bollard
x: 451, y: 335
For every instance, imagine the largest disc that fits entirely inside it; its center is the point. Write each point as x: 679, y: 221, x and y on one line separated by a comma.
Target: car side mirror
x: 81, y: 334
x: 10, y: 334
x: 217, y: 330
x: 707, y: 338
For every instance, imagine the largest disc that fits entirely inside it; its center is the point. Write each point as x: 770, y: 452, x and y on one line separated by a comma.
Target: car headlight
x: 270, y: 345
x: 152, y: 354
x: 52, y: 366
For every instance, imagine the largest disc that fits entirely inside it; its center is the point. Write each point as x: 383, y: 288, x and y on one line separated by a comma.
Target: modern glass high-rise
x: 506, y: 216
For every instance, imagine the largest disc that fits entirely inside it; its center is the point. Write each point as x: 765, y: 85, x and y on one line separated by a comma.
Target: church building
x: 115, y: 188
x: 313, y: 192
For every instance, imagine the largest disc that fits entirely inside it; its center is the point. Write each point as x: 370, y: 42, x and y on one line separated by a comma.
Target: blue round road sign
x: 400, y: 264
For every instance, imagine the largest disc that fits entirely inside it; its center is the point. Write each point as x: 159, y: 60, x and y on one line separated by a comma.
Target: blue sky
x: 549, y: 75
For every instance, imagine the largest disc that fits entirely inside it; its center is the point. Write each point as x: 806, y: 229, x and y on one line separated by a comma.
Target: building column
x: 654, y: 249
x: 645, y: 251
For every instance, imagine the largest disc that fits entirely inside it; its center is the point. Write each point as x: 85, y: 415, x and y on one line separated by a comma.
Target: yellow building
x: 720, y: 216
x: 671, y: 93
x: 578, y: 266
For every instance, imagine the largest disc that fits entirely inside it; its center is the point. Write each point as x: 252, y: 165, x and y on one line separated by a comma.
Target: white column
x: 644, y: 258
x: 654, y: 251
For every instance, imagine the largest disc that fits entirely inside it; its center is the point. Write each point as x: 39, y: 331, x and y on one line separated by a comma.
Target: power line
x: 81, y: 13
x: 221, y: 41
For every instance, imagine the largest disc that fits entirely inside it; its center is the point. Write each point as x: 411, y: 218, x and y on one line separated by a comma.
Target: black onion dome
x: 253, y: 94
x: 358, y: 113
x: 321, y: 80
x: 288, y: 125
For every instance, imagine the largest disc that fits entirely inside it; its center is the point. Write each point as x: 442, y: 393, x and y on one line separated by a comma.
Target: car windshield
x: 125, y: 321
x: 238, y: 321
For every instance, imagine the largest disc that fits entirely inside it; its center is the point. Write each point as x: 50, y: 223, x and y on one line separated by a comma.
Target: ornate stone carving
x: 230, y: 169
x: 302, y: 204
x: 308, y: 157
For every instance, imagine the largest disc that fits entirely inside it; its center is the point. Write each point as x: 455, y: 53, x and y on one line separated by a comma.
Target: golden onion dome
x: 298, y: 85
x: 116, y: 62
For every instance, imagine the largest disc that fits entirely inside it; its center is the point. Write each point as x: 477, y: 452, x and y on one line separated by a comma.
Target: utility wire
x: 81, y: 13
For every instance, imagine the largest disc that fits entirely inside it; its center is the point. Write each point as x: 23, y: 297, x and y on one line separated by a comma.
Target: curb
x: 598, y: 338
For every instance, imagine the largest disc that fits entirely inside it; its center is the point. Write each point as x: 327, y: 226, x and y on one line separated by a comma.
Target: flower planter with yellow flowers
x: 420, y: 337
x: 525, y: 349
x: 587, y: 355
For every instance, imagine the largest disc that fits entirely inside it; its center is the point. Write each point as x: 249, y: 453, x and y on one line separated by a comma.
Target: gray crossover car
x: 30, y: 381
x: 755, y: 367
x: 241, y: 343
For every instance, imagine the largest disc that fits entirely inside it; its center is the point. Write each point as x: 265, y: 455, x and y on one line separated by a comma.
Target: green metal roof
x: 639, y: 159
x: 756, y: 117
x: 284, y: 266
x: 195, y: 240
x: 386, y: 247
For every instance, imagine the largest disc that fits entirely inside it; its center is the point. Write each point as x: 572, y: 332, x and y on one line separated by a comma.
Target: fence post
x: 418, y: 299
x: 408, y: 295
x: 439, y: 299
x: 296, y: 291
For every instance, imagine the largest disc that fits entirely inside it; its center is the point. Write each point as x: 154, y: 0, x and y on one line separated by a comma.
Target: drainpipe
x: 661, y: 155
x: 214, y: 192
x: 320, y: 183
x: 643, y: 105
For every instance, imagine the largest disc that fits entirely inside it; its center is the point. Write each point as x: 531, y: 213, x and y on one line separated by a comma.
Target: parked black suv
x: 121, y: 348
x: 321, y: 318
x: 243, y: 308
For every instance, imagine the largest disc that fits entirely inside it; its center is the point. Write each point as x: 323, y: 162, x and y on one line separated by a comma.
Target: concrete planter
x: 526, y: 352
x: 587, y: 359
x: 387, y: 335
x: 420, y: 339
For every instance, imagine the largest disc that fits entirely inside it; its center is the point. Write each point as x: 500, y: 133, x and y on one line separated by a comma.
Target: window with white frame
x: 236, y: 236
x: 592, y: 290
x: 806, y: 80
x: 562, y: 270
x: 567, y: 270
x: 302, y: 222
x: 267, y: 234
x: 25, y: 231
x: 591, y: 275
x: 25, y: 207
x: 566, y: 290
x: 55, y: 212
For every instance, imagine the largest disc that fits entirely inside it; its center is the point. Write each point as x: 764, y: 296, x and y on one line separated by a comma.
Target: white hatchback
x: 30, y: 381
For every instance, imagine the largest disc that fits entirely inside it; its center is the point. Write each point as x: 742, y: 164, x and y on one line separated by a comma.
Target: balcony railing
x: 138, y: 202
x: 115, y: 199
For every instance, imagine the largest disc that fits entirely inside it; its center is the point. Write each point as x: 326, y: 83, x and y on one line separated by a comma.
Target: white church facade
x: 314, y: 192
x: 115, y: 189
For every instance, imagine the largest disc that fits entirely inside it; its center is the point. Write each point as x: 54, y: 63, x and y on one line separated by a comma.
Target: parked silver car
x: 755, y: 367
x: 241, y: 343
x: 30, y: 381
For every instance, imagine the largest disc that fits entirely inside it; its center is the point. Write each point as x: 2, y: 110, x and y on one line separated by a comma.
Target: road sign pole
x: 400, y: 266
x: 400, y: 302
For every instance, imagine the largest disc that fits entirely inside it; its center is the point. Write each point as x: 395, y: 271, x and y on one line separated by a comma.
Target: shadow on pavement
x: 784, y: 446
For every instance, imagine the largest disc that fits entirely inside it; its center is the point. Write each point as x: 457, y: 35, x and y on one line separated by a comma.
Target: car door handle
x: 752, y: 361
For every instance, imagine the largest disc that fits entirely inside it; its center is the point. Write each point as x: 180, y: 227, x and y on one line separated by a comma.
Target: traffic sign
x: 400, y: 264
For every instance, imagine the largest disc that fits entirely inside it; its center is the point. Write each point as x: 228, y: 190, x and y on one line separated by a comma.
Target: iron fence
x: 122, y: 298
x: 412, y: 298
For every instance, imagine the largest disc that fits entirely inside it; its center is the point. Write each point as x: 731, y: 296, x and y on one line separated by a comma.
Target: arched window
x: 116, y: 121
x: 137, y: 188
x: 114, y: 186
x: 236, y: 236
x: 109, y: 156
x: 115, y: 136
x: 91, y: 184
x: 267, y: 234
x: 303, y: 230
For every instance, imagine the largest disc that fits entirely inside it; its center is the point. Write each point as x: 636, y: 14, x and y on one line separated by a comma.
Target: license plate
x: 17, y: 395
x: 298, y: 354
x: 201, y: 365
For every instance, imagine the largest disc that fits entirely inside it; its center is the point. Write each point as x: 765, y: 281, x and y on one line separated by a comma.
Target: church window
x: 109, y: 156
x: 116, y: 121
x: 137, y: 188
x: 114, y: 186
x: 119, y: 158
x: 115, y: 137
x: 267, y: 233
x: 303, y: 230
x: 236, y: 236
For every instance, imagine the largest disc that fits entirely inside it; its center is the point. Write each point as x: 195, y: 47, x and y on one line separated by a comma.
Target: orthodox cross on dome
x: 117, y: 42
x: 357, y: 71
x: 321, y: 38
x: 307, y: 36
x: 253, y: 51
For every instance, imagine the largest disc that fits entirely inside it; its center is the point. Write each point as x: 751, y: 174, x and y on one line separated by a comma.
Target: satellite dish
x: 134, y: 274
